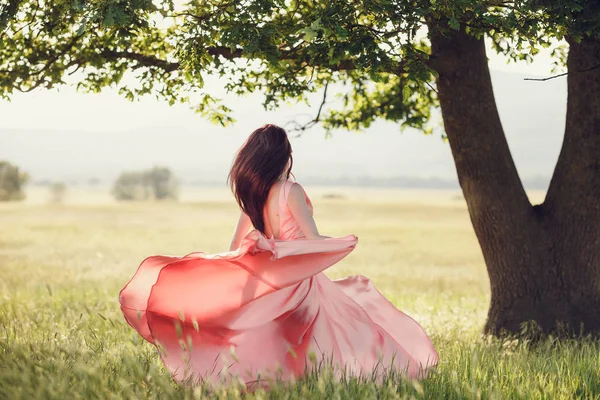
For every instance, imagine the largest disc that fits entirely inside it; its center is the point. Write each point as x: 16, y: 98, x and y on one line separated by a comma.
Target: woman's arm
x: 244, y: 226
x: 302, y: 214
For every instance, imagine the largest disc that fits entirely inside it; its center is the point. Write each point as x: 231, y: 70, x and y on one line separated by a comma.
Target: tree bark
x: 538, y: 271
x: 572, y: 206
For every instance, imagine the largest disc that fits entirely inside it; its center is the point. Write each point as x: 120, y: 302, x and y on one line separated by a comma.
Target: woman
x: 265, y: 309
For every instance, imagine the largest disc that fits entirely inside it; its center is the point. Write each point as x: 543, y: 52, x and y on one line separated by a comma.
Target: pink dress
x: 266, y: 310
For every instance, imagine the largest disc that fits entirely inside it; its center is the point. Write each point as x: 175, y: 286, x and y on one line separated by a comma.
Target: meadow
x: 62, y: 334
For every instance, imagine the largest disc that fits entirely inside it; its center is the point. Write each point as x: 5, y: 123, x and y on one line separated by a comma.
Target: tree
x: 130, y: 186
x: 157, y: 183
x: 398, y: 59
x: 58, y: 190
x: 12, y: 181
x: 162, y: 183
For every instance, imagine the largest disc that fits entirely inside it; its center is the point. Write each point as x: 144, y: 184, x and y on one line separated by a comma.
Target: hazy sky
x: 102, y: 134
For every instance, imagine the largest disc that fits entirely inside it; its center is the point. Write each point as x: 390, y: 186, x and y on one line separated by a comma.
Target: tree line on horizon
x: 156, y: 183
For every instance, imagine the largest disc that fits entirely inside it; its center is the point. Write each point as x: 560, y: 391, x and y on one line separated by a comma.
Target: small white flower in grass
x: 509, y: 345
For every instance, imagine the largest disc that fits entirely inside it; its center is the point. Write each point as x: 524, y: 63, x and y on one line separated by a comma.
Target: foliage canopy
x: 284, y: 49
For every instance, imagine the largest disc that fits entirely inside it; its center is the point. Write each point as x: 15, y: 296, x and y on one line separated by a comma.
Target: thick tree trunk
x: 572, y: 207
x: 542, y: 261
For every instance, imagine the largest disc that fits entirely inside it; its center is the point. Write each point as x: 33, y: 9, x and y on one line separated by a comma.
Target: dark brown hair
x: 259, y: 164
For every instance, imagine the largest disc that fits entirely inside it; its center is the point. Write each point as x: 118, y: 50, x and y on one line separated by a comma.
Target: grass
x: 63, y: 336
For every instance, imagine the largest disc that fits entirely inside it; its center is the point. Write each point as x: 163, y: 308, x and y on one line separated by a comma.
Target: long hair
x: 259, y: 164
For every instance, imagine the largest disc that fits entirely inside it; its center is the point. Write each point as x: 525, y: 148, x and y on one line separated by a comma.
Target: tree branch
x: 4, y: 15
x: 303, y: 127
x: 563, y: 74
x: 142, y: 59
x: 205, y: 17
x: 7, y: 11
x: 343, y: 65
x: 575, y: 185
x: 41, y: 80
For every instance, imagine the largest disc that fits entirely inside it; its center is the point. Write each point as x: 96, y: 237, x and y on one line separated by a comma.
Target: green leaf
x: 309, y: 34
x: 81, y: 29
x: 406, y: 93
x: 454, y: 24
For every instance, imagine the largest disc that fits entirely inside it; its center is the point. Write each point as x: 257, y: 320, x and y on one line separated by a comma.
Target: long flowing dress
x: 266, y: 310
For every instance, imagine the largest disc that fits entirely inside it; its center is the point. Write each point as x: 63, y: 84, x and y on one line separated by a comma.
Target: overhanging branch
x: 143, y: 60
x: 218, y: 51
x: 563, y: 74
x: 303, y: 127
x: 7, y: 11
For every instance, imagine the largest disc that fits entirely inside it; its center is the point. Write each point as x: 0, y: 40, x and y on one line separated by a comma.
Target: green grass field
x: 62, y: 334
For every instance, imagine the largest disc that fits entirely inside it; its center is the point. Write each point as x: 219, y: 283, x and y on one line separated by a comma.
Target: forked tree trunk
x: 544, y: 261
x: 572, y: 206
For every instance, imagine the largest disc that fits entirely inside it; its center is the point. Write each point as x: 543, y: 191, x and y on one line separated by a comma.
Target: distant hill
x: 533, y: 115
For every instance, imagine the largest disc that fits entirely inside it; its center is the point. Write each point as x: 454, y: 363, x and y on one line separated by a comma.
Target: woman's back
x: 272, y: 212
x: 283, y: 217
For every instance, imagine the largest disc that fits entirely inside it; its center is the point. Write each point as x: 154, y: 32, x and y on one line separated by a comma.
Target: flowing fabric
x: 267, y: 310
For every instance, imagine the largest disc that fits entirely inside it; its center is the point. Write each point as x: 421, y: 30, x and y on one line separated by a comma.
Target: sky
x: 61, y: 134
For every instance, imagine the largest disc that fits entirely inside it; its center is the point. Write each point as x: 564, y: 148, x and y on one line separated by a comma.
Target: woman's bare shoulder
x: 296, y: 191
x: 297, y: 195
